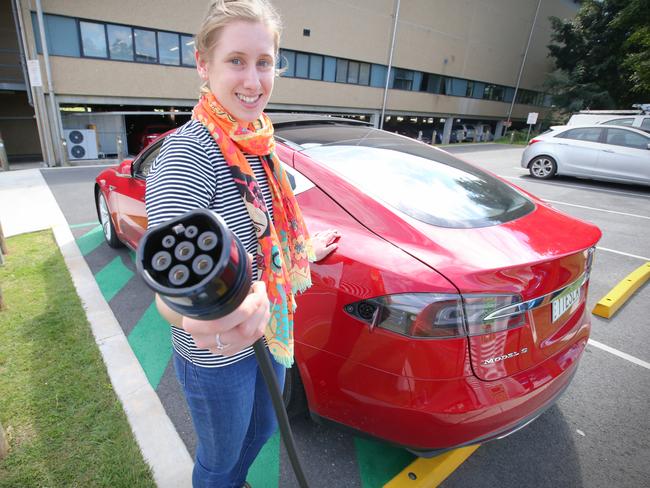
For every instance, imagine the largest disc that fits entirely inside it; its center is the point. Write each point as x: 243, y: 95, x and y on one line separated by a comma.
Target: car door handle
x: 608, y: 150
x: 562, y: 144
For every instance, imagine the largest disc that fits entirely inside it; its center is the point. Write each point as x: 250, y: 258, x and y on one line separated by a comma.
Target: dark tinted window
x: 620, y: 137
x: 582, y: 134
x: 416, y: 179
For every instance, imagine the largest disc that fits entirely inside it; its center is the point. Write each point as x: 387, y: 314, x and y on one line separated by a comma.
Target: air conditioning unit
x: 82, y: 143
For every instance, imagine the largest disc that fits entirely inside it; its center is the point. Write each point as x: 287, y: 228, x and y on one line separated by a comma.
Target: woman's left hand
x: 323, y: 243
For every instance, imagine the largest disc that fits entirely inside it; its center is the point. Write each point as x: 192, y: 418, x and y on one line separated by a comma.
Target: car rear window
x: 423, y: 182
x: 583, y: 134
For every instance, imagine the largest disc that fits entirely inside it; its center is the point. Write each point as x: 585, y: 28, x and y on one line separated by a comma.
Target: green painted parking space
x: 150, y: 340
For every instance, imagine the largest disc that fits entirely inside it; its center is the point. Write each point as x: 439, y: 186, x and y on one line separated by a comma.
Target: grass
x: 65, y: 426
x: 517, y: 137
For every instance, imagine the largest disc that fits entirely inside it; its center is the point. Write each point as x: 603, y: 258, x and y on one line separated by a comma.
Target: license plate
x: 564, y: 302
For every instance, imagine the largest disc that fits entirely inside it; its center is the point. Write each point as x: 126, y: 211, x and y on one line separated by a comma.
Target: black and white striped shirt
x: 189, y: 173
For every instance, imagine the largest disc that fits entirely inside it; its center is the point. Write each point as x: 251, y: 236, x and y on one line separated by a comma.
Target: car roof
x: 558, y: 128
x: 283, y: 119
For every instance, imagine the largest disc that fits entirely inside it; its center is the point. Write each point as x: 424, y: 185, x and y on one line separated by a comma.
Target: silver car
x: 599, y: 152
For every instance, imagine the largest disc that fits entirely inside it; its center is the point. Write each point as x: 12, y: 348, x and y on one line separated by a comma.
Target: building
x: 122, y: 69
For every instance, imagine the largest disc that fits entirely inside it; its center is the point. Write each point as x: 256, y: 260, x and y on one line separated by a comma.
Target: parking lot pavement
x: 597, y: 435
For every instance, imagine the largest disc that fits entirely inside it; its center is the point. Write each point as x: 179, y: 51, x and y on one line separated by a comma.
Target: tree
x: 602, y: 56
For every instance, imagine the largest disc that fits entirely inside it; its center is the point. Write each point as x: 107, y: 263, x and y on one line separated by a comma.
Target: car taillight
x: 438, y: 315
x: 152, y: 137
x: 533, y: 141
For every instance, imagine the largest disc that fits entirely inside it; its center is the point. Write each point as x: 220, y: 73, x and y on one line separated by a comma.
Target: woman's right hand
x: 237, y: 330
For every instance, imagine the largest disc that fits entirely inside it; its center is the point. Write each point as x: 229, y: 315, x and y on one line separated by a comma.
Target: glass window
x: 582, y: 134
x: 168, y: 49
x: 61, y: 34
x: 145, y: 46
x: 187, y: 51
x: 120, y: 42
x: 497, y: 93
x: 315, y: 67
x: 626, y: 121
x: 479, y: 88
x: 458, y: 87
x: 145, y: 165
x: 403, y: 79
x: 302, y: 65
x: 364, y: 74
x: 509, y: 94
x: 621, y: 137
x: 378, y: 75
x: 93, y: 39
x: 341, y: 70
x: 417, y: 80
x: 414, y: 178
x: 353, y: 72
x: 329, y: 73
x: 288, y: 60
x: 645, y: 125
x: 431, y: 83
x: 470, y: 88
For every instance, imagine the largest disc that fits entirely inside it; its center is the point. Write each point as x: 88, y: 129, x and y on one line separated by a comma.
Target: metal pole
x: 4, y: 160
x: 521, y: 68
x: 390, y: 64
x: 57, y: 135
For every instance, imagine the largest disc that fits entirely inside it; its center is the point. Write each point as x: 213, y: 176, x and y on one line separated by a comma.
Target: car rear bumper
x: 449, y: 413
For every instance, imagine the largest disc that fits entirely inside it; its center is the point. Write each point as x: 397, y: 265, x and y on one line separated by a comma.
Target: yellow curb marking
x: 617, y: 296
x: 429, y: 473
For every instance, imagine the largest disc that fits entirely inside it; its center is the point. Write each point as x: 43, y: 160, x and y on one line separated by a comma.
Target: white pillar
x: 446, y: 131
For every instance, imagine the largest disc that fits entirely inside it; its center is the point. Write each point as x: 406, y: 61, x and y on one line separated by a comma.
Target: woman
x: 223, y: 159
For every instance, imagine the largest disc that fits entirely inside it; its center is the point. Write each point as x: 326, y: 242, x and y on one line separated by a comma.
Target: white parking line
x: 642, y: 258
x: 599, y: 209
x: 620, y: 354
x: 616, y: 192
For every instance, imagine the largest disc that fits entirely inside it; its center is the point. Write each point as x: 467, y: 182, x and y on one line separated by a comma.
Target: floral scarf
x: 283, y: 245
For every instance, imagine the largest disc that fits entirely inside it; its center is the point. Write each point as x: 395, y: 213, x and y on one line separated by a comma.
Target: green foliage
x: 602, y: 57
x: 66, y: 427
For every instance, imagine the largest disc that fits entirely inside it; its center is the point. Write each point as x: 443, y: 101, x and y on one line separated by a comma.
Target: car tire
x: 106, y: 222
x: 293, y: 394
x: 542, y: 167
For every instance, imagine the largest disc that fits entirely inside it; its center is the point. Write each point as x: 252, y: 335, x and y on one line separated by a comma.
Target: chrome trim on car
x: 522, y: 307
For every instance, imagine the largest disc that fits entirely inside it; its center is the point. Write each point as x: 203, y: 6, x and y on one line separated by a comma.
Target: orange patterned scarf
x: 283, y: 245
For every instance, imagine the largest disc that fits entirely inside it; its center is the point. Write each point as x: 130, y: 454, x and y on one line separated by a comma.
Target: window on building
x: 417, y: 81
x: 353, y: 72
x: 430, y: 83
x: 378, y: 75
x: 288, y: 61
x: 342, y: 70
x: 120, y: 42
x: 93, y: 39
x: 302, y: 65
x: 168, y: 48
x: 315, y: 67
x: 403, y: 79
x: 470, y: 89
x: 508, y: 94
x: 364, y: 74
x: 477, y: 91
x: 187, y: 51
x: 329, y: 69
x: 145, y: 46
x: 61, y: 34
x: 456, y: 87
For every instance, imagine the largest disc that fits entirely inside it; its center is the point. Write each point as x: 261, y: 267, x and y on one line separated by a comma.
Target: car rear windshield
x: 419, y: 180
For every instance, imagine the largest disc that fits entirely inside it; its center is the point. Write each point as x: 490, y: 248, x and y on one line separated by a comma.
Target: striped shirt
x: 189, y: 173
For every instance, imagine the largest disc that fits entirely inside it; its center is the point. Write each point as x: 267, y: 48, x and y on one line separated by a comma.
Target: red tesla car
x: 453, y: 311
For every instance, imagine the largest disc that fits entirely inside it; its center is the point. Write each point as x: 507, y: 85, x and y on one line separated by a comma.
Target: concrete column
x: 478, y: 133
x: 498, y: 132
x: 446, y: 131
x: 374, y: 120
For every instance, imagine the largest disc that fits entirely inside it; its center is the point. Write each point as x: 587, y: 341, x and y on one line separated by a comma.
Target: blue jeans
x: 233, y: 418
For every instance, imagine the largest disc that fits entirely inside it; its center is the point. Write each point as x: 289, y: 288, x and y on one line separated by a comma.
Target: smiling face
x: 241, y: 68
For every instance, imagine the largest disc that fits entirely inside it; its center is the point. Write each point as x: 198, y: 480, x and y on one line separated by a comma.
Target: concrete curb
x: 160, y: 444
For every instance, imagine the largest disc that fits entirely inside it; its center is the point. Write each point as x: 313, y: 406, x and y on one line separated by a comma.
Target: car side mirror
x: 124, y: 169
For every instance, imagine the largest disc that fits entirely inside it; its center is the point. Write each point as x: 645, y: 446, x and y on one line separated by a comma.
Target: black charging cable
x: 201, y: 270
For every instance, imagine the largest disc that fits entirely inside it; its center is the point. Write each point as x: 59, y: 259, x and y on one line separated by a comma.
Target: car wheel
x: 293, y: 395
x: 107, y: 222
x: 543, y: 167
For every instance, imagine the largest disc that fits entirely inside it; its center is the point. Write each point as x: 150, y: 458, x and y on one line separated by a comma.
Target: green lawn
x: 66, y: 427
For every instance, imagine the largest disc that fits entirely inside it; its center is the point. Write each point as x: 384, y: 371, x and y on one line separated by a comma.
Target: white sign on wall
x: 34, y: 72
x: 532, y: 118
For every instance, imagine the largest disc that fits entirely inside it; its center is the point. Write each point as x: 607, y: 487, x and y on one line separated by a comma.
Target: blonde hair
x: 222, y: 12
